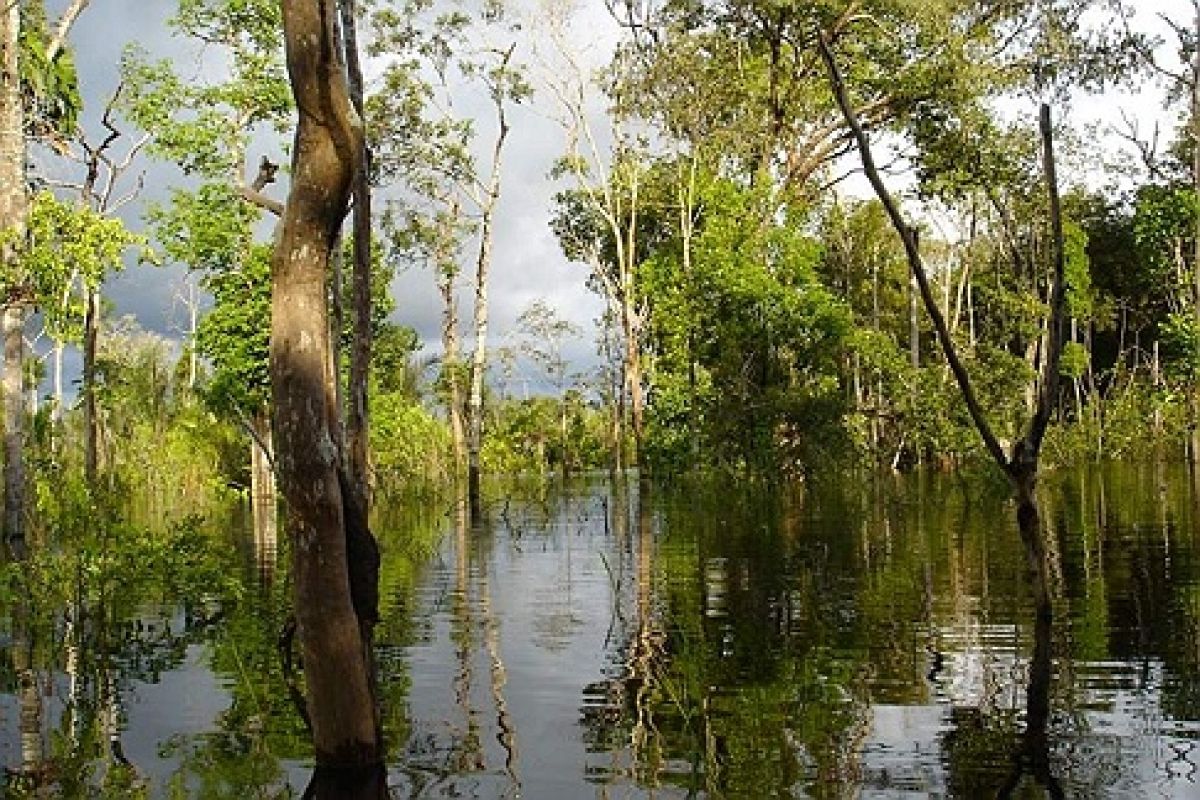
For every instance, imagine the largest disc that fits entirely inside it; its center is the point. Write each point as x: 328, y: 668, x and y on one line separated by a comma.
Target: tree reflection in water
x: 694, y: 640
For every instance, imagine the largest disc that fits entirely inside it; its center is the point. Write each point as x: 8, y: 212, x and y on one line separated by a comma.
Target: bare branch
x: 253, y: 193
x: 65, y: 22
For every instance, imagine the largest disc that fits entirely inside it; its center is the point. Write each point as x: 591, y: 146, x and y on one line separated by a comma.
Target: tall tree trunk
x: 633, y: 375
x: 91, y: 328
x: 13, y: 333
x: 447, y: 266
x: 13, y: 212
x: 357, y: 412
x: 335, y: 566
x: 478, y: 367
x: 1194, y: 453
x: 482, y: 269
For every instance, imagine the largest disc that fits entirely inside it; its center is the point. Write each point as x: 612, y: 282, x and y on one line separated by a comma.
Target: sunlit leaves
x: 70, y: 249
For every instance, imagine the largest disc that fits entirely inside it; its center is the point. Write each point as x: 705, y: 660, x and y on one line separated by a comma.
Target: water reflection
x: 827, y: 643
x: 601, y: 639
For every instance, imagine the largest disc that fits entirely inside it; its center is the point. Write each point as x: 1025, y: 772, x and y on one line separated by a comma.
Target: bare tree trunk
x: 335, y: 567
x: 478, y: 367
x: 56, y: 410
x: 482, y: 268
x: 91, y: 326
x: 1194, y: 449
x: 447, y: 268
x: 633, y: 374
x: 13, y: 327
x: 13, y: 211
x: 451, y: 359
x: 357, y: 412
x: 262, y: 476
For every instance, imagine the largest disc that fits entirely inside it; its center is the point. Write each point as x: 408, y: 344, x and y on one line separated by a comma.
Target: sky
x: 528, y: 263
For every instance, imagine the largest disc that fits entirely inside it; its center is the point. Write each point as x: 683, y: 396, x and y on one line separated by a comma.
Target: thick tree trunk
x: 335, y: 567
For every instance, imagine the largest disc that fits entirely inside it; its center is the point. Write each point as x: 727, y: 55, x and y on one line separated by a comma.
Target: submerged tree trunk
x: 1021, y: 465
x: 478, y: 366
x: 335, y: 561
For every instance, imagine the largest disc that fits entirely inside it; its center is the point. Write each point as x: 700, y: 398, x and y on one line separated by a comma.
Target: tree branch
x: 65, y: 22
x: 253, y: 193
x: 911, y: 250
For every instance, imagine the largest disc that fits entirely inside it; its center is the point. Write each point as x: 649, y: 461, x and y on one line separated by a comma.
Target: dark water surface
x: 874, y: 639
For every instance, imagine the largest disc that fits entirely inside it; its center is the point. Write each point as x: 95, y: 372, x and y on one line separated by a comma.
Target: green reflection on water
x: 875, y: 635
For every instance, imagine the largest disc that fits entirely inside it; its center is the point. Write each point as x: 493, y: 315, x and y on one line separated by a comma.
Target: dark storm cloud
x: 527, y: 265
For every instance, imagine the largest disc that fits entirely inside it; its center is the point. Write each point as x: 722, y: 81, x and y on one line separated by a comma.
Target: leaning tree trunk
x: 335, y: 571
x: 13, y: 211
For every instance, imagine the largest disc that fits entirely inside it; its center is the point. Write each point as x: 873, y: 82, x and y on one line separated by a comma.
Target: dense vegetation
x: 760, y: 318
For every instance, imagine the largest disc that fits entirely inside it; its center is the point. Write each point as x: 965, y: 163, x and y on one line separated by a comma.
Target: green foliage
x: 156, y: 442
x: 1181, y: 344
x: 235, y: 336
x: 205, y: 127
x: 70, y: 250
x: 751, y: 321
x: 409, y: 446
x: 50, y: 87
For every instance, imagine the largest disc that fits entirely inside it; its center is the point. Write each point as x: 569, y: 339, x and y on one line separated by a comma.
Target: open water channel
x: 870, y: 639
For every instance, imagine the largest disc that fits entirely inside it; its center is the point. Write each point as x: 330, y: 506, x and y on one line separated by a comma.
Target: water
x: 871, y: 639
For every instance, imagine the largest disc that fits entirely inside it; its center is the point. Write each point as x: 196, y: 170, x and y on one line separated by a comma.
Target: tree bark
x: 13, y: 333
x: 357, y: 412
x: 1194, y: 399
x: 335, y: 568
x: 482, y: 269
x: 13, y: 212
x: 453, y: 372
x: 91, y: 326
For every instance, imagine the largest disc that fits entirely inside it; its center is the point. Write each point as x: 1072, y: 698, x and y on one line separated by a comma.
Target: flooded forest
x: 553, y: 399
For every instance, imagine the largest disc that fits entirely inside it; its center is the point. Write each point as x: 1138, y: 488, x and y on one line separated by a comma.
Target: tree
x: 205, y: 127
x: 38, y: 97
x: 543, y: 335
x: 335, y: 558
x: 422, y: 141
